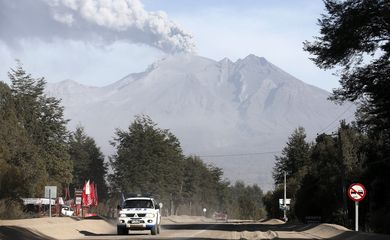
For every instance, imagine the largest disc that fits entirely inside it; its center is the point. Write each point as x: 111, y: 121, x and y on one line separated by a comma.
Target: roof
x: 139, y: 198
x: 38, y: 201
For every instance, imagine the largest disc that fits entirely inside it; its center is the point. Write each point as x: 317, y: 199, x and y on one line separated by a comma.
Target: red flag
x: 90, y: 197
x: 92, y: 193
x: 84, y: 196
x: 96, y: 202
x: 87, y: 196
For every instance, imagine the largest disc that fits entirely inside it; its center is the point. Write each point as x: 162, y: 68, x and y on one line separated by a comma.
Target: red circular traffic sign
x: 356, y: 192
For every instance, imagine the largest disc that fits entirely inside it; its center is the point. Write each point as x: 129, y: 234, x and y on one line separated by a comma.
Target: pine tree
x: 88, y: 162
x: 43, y: 120
x: 147, y: 159
x: 23, y: 172
x: 294, y: 159
x: 320, y: 193
x: 294, y: 162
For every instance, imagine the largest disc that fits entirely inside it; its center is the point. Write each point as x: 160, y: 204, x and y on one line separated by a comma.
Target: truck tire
x: 121, y: 230
x: 153, y: 231
x: 158, y: 229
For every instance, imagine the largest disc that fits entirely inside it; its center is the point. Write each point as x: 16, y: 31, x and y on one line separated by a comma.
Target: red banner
x: 89, y: 194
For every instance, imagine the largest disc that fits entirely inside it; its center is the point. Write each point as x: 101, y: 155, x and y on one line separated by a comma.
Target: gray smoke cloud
x: 94, y: 21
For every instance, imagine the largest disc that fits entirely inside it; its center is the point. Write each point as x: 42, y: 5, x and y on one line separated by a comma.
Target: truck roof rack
x: 129, y: 195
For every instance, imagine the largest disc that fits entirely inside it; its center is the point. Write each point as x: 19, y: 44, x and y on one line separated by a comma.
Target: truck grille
x: 141, y: 215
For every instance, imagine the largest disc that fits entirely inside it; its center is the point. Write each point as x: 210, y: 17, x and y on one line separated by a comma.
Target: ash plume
x: 92, y: 21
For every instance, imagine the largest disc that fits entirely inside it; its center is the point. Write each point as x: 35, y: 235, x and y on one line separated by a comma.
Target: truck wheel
x: 158, y: 229
x: 121, y: 231
x: 153, y: 231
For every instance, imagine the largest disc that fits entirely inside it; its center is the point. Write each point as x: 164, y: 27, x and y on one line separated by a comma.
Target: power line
x: 379, y: 161
x: 337, y: 126
x: 239, y: 154
x: 337, y: 118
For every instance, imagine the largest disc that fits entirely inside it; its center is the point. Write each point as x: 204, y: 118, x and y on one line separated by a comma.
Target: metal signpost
x: 50, y: 192
x: 281, y: 203
x: 356, y: 192
x: 78, y: 193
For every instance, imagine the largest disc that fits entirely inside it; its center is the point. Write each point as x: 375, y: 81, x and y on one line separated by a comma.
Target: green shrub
x: 11, y: 209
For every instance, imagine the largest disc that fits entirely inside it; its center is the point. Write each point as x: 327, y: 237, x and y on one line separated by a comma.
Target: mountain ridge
x: 219, y: 107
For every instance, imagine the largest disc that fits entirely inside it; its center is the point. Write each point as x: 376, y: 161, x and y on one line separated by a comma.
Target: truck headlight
x: 150, y: 215
x: 122, y: 215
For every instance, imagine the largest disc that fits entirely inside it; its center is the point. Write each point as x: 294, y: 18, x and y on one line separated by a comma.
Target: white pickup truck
x: 139, y: 213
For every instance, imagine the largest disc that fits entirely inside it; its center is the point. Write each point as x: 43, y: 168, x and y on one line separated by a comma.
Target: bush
x: 11, y: 209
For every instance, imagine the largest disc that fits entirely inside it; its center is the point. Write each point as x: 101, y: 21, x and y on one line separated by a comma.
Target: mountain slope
x: 213, y: 107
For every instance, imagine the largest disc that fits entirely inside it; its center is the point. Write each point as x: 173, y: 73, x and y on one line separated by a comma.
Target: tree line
x: 320, y: 172
x: 36, y: 150
x: 355, y: 40
x: 149, y: 159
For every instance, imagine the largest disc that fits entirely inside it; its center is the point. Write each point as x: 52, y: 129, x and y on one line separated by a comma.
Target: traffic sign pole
x: 356, y: 216
x: 356, y: 193
x: 49, y: 202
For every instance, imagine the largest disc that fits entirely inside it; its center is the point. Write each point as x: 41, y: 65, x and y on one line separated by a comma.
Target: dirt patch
x: 337, y: 232
x: 74, y: 228
x: 186, y: 219
x: 180, y: 227
x: 63, y: 227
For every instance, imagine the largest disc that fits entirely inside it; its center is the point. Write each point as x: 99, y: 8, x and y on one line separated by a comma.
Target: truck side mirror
x: 160, y: 205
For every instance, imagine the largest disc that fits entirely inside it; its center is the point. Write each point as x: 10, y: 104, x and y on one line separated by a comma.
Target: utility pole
x: 172, y: 205
x: 284, y: 199
x: 49, y: 202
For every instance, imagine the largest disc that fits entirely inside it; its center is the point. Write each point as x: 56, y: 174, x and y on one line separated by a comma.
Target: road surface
x: 180, y: 231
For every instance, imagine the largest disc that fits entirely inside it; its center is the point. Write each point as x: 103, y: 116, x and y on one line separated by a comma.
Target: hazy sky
x: 98, y: 42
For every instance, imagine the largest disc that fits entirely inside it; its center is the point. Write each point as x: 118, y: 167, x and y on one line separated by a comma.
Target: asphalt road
x: 16, y: 233
x: 202, y: 231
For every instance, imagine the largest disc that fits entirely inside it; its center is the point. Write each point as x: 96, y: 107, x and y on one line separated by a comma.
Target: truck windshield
x: 138, y: 204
